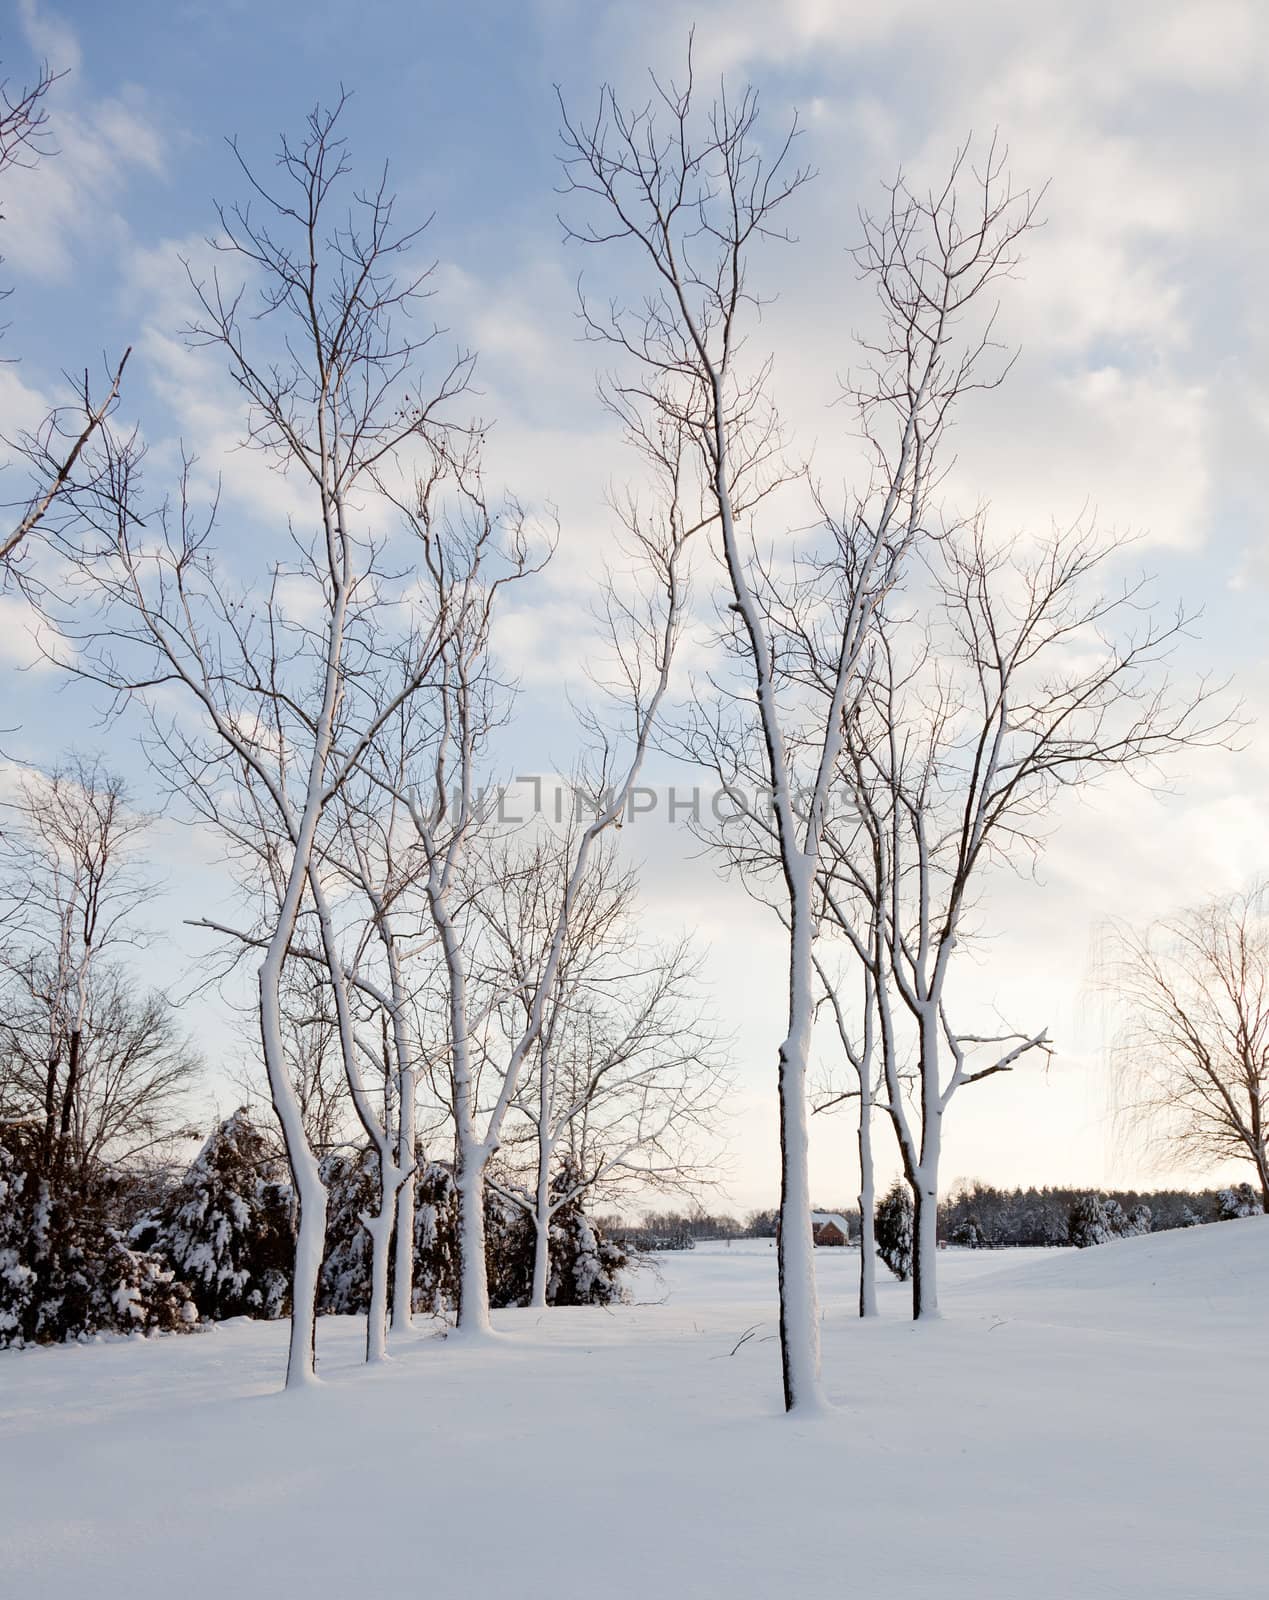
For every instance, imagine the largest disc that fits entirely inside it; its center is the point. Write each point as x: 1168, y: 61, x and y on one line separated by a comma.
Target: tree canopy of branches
x: 1033, y: 673
x: 290, y: 685
x: 692, y: 192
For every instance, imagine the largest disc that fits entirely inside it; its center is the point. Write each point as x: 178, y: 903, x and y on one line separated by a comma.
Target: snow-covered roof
x: 820, y: 1218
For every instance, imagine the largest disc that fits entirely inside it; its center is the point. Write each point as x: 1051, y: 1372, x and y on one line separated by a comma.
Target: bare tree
x: 1028, y: 679
x: 453, y: 824
x: 368, y: 839
x: 350, y: 1024
x: 623, y: 1081
x: 693, y: 193
x: 71, y: 892
x: 134, y: 1068
x: 1192, y: 1051
x: 291, y: 688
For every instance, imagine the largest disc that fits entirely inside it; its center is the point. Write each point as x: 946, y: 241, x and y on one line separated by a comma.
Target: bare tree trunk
x: 379, y: 1228
x: 867, y: 1205
x: 72, y: 1082
x: 403, y: 1266
x: 50, y: 1108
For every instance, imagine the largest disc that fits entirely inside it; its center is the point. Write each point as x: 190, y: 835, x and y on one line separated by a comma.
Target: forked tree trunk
x: 306, y: 1177
x: 306, y: 1180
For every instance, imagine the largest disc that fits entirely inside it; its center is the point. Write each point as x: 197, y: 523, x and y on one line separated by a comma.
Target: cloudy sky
x: 1141, y: 391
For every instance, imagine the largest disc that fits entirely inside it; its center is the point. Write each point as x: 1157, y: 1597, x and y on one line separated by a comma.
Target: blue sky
x: 1141, y: 389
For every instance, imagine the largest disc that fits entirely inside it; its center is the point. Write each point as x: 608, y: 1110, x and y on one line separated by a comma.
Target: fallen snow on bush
x: 1079, y: 1424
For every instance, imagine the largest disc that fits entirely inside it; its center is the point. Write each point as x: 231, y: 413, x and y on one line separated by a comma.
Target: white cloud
x: 58, y: 208
x: 1129, y: 448
x: 20, y: 630
x: 49, y: 37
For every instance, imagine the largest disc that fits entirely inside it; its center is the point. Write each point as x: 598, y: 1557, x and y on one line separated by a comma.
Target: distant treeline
x: 975, y: 1214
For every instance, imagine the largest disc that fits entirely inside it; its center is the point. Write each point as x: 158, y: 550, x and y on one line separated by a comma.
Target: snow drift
x: 1186, y: 1278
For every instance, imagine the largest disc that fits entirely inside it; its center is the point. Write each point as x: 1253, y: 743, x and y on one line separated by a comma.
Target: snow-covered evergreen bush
x: 586, y: 1268
x: 17, y: 1210
x: 1089, y: 1223
x: 508, y: 1251
x: 1096, y: 1218
x: 228, y: 1228
x: 352, y: 1181
x: 435, y: 1239
x: 894, y: 1222
x: 969, y: 1234
x: 1239, y: 1200
x: 65, y: 1271
x: 352, y: 1186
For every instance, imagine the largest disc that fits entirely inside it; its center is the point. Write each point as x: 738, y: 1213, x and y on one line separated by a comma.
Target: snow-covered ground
x: 1078, y: 1425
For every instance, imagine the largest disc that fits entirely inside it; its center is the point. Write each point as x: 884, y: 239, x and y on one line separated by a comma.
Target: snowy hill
x: 1218, y: 1273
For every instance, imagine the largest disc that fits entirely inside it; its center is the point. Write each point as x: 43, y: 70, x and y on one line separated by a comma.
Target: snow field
x: 1077, y: 1425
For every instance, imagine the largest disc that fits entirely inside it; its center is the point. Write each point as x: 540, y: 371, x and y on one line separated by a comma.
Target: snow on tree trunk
x: 380, y: 1230
x: 473, y: 1272
x: 925, y: 1174
x: 799, y: 1312
x: 541, y: 1260
x: 925, y: 1200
